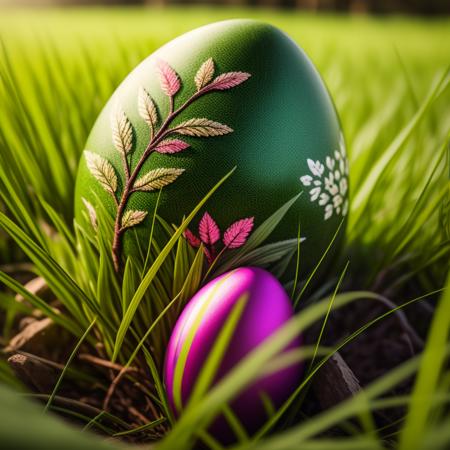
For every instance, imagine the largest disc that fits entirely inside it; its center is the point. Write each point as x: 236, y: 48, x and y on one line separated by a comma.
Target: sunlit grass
x: 389, y: 79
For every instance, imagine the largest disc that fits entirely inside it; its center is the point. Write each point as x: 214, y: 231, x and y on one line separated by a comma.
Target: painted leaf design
x: 208, y: 230
x: 237, y: 233
x: 147, y: 108
x: 193, y: 240
x: 122, y: 131
x: 102, y: 170
x: 157, y: 179
x: 228, y: 80
x: 171, y: 146
x: 202, y: 128
x: 91, y: 212
x: 204, y: 74
x: 132, y: 218
x: 170, y: 83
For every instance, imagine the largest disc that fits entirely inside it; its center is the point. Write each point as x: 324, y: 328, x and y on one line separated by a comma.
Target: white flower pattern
x: 329, y: 182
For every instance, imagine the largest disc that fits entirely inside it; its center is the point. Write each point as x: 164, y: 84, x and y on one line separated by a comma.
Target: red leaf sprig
x: 208, y: 230
x: 170, y: 83
x: 235, y: 236
x: 171, y: 146
x: 227, y: 80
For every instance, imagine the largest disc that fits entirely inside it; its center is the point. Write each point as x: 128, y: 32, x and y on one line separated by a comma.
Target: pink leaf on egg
x: 227, y: 81
x: 170, y: 83
x: 193, y: 240
x: 237, y: 233
x: 208, y: 230
x: 171, y: 146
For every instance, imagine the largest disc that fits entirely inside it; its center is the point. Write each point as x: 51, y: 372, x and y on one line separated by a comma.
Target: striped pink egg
x: 266, y: 308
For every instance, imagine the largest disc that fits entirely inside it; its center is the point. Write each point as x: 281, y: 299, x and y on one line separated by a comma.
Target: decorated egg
x: 238, y: 93
x: 259, y: 306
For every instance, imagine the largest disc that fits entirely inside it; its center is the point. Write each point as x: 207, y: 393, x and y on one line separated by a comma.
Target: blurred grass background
x: 58, y: 67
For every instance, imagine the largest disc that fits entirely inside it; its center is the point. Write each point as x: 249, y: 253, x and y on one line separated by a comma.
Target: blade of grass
x: 273, y: 420
x: 66, y: 366
x: 325, y: 320
x: 212, y: 363
x: 316, y: 268
x: 365, y: 191
x: 142, y: 428
x: 149, y: 246
x: 297, y: 264
x: 342, y: 411
x: 431, y: 367
x: 60, y: 282
x: 40, y: 304
x: 135, y: 301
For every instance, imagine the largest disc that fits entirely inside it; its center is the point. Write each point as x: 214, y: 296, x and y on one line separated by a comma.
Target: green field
x: 389, y: 79
x: 377, y: 70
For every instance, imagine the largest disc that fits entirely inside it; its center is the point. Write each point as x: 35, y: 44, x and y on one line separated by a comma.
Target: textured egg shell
x: 286, y: 138
x: 267, y: 309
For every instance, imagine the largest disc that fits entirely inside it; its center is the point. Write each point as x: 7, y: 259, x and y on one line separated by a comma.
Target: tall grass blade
x: 148, y: 278
x: 431, y: 367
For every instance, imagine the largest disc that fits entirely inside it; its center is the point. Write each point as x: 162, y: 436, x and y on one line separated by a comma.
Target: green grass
x: 389, y: 79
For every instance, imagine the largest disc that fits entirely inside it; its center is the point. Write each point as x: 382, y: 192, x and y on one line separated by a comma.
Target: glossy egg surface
x: 266, y: 308
x: 238, y: 93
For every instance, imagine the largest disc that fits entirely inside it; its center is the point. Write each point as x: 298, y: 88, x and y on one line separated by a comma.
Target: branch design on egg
x: 163, y: 139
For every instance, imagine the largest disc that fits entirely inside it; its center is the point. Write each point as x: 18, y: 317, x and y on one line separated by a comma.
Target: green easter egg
x: 234, y: 93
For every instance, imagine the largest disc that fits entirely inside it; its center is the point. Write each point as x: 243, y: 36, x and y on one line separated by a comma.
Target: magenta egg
x: 266, y: 308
